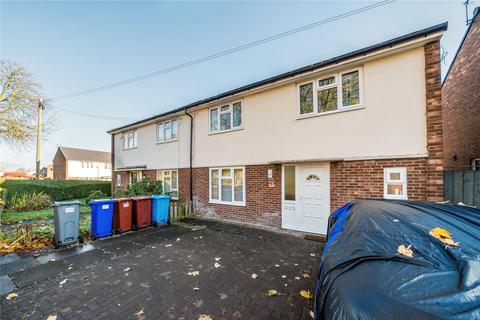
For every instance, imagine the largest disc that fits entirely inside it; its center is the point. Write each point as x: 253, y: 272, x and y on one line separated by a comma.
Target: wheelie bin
x: 122, y: 217
x: 160, y: 207
x: 142, y: 212
x: 102, y: 217
x: 67, y: 220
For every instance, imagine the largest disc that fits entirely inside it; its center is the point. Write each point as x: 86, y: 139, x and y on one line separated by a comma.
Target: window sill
x: 224, y: 131
x: 237, y: 204
x: 129, y: 148
x: 387, y: 197
x: 311, y: 115
x: 164, y: 142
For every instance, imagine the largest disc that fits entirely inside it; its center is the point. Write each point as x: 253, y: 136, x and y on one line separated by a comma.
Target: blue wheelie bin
x: 160, y: 207
x: 102, y: 217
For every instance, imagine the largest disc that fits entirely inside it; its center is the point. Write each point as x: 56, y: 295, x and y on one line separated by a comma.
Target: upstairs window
x: 226, y: 117
x: 130, y: 140
x: 332, y: 93
x: 395, y: 183
x: 167, y: 131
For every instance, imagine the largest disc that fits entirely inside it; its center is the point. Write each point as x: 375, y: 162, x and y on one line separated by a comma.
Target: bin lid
x: 160, y: 196
x: 102, y: 201
x: 141, y: 198
x: 123, y: 199
x: 65, y: 203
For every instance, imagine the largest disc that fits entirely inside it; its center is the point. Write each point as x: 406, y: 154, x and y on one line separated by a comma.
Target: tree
x: 19, y: 98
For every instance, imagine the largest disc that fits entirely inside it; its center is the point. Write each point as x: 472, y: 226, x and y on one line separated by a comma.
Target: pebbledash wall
x: 419, y: 114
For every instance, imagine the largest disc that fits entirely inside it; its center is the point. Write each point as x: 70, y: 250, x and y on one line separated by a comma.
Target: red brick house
x: 461, y: 103
x: 286, y: 151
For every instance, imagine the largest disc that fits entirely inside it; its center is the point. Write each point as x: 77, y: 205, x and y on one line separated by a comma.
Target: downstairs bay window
x: 169, y: 179
x: 227, y: 185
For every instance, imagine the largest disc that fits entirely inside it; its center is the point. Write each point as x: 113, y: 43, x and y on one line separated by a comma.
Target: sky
x: 73, y: 46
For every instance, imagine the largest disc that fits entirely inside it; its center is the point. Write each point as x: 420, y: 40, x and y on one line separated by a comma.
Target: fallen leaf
x: 312, y: 314
x: 193, y: 273
x: 139, y: 313
x: 286, y: 284
x: 254, y: 276
x: 295, y: 264
x: 63, y: 282
x: 216, y: 265
x: 406, y: 251
x: 306, y: 294
x: 218, y: 259
x: 284, y: 276
x: 444, y: 236
x: 205, y: 317
x: 52, y: 317
x: 168, y: 245
x: 196, y: 289
x: 271, y: 292
x: 127, y: 269
x: 277, y: 265
x: 305, y: 275
x: 312, y: 254
x: 12, y: 296
x: 178, y: 239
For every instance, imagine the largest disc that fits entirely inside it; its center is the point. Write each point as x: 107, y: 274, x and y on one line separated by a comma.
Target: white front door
x: 306, y: 197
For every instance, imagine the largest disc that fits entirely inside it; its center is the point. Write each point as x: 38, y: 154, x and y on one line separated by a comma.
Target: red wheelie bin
x: 142, y: 212
x: 122, y: 217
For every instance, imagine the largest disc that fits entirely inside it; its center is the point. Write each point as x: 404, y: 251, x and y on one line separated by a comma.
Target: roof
x: 84, y: 154
x: 386, y: 44
x: 476, y: 14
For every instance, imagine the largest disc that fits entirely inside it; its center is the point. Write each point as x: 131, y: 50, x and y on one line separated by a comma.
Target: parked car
x: 397, y: 259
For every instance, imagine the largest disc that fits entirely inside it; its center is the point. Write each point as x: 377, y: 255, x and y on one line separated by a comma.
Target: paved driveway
x: 149, y: 270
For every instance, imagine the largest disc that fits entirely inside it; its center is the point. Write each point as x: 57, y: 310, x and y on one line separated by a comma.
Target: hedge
x: 57, y: 189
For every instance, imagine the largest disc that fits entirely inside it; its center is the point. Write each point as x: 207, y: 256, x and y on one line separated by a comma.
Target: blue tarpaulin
x: 362, y: 276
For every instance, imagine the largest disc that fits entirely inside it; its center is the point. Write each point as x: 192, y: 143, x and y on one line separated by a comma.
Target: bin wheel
x: 93, y: 237
x: 80, y: 239
x: 56, y: 246
x: 134, y: 227
x: 155, y: 224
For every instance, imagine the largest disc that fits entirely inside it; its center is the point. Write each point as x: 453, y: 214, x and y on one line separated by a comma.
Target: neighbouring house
x: 286, y: 151
x: 461, y: 102
x: 81, y: 164
x: 47, y: 172
x: 18, y: 175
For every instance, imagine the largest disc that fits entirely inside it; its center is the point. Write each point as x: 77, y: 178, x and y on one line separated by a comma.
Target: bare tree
x: 19, y: 97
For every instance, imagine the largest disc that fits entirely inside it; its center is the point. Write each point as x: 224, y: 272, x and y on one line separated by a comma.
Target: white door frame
x: 295, y: 207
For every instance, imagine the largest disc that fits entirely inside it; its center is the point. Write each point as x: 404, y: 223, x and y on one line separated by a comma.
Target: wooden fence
x: 179, y: 211
x: 462, y: 186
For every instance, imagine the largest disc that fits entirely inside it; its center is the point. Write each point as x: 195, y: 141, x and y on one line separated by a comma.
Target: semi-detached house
x: 286, y: 151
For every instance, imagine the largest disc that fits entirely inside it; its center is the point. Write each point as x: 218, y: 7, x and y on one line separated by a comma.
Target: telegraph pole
x: 41, y: 107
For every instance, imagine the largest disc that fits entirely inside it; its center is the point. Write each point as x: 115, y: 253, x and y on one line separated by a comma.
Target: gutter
x: 191, y: 153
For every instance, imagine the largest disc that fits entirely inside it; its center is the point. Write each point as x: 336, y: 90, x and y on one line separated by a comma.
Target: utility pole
x: 40, y: 109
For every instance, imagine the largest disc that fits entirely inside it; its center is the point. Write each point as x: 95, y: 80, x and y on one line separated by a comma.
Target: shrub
x: 58, y: 190
x: 145, y: 187
x: 96, y: 194
x: 28, y: 202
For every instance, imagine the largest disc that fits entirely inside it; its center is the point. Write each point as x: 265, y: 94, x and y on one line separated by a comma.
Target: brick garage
x: 461, y: 98
x: 263, y: 202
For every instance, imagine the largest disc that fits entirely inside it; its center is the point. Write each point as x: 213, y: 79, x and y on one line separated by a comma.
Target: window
x: 118, y: 180
x: 333, y: 93
x: 226, y: 118
x: 227, y: 185
x: 169, y: 180
x: 135, y: 176
x: 130, y: 140
x: 476, y: 164
x: 167, y: 131
x: 289, y: 183
x: 395, y: 183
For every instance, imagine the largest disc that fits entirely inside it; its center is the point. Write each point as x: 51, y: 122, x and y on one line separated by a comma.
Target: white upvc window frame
x: 130, y: 178
x: 232, y: 177
x: 160, y: 177
x: 128, y: 136
x: 163, y: 126
x: 219, y: 113
x: 338, y: 85
x: 403, y: 181
x: 118, y: 180
x: 475, y: 164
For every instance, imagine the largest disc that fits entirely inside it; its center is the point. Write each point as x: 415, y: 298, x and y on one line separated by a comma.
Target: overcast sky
x: 74, y: 46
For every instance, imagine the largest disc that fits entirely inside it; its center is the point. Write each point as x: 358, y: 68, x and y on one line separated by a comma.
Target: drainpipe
x: 191, y: 154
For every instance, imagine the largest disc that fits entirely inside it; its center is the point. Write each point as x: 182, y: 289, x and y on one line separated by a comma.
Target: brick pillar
x: 434, y: 121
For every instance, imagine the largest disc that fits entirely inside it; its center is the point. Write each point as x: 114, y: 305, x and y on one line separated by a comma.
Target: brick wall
x: 183, y: 184
x: 124, y: 177
x: 461, y: 101
x: 263, y: 202
x: 434, y: 121
x: 363, y: 179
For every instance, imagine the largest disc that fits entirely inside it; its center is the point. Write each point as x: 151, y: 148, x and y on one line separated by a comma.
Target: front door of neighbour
x: 306, y: 197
